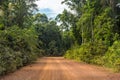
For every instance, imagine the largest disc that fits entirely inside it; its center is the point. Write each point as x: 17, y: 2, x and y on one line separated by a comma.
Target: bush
x: 18, y: 47
x: 97, y: 53
x: 73, y: 53
x: 7, y: 62
x: 88, y: 52
x: 79, y: 53
x: 112, y: 56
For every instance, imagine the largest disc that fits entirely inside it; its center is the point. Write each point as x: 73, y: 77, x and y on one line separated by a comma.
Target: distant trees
x: 49, y: 35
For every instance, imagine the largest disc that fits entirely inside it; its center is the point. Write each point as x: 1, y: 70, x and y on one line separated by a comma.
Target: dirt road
x: 58, y: 68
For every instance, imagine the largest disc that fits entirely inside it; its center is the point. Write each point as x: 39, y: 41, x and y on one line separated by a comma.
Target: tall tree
x: 16, y: 12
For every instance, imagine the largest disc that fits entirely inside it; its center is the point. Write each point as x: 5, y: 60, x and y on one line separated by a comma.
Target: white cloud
x: 54, y: 5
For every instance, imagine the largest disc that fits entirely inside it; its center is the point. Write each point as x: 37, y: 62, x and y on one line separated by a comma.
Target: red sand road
x: 58, y: 68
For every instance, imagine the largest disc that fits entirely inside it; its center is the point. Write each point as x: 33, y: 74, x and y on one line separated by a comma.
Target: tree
x: 16, y: 12
x: 50, y: 38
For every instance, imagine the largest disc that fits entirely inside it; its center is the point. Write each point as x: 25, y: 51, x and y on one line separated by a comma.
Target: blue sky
x: 49, y: 12
x: 51, y: 7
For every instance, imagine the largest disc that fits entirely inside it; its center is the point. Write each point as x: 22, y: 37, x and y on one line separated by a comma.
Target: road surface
x: 58, y: 68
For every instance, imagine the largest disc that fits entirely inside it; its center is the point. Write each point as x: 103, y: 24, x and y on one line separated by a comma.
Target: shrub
x: 112, y: 56
x: 7, y: 62
x: 17, y: 48
x: 88, y: 52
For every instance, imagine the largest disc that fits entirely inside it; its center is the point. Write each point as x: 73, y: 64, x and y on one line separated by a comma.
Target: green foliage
x: 85, y: 27
x: 18, y: 36
x: 112, y: 56
x: 68, y: 40
x: 6, y: 59
x: 49, y: 38
x: 88, y: 52
x: 40, y: 18
x: 96, y: 22
x: 104, y: 27
x: 87, y: 32
x: 18, y: 47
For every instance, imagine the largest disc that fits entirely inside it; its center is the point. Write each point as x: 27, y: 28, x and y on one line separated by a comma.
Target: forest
x: 88, y: 32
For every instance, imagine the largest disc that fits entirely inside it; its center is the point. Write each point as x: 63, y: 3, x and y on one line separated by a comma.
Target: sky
x: 51, y: 7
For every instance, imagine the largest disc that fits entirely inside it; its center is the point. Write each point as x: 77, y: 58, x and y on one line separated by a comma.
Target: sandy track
x: 58, y: 68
